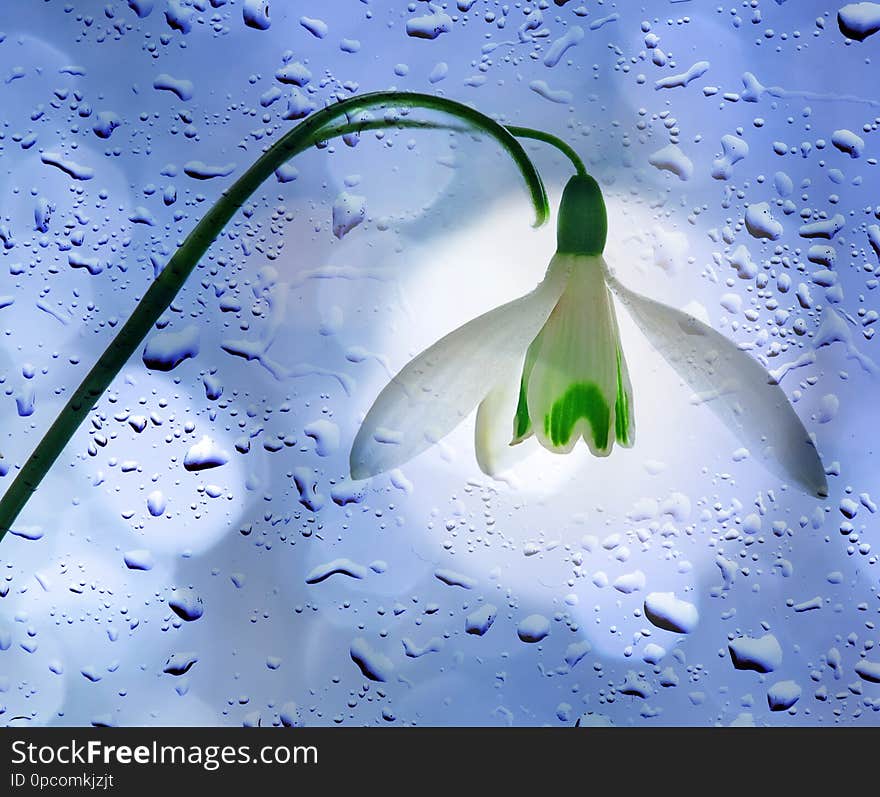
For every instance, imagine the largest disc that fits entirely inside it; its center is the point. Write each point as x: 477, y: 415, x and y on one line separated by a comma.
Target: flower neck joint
x: 583, y: 223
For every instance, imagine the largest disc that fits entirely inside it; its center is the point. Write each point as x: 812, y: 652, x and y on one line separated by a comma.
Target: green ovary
x: 581, y: 400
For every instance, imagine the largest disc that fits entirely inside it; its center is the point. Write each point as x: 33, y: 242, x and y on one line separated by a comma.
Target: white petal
x: 735, y: 387
x: 438, y: 389
x: 572, y: 388
x: 494, y: 426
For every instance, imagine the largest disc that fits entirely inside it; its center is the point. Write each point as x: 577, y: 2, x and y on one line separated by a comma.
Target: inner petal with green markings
x: 575, y: 382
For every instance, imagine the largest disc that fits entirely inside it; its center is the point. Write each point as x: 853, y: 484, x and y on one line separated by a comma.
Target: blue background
x: 85, y: 638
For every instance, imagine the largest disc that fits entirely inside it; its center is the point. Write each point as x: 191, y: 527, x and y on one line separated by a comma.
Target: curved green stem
x: 473, y: 118
x: 171, y: 279
x: 383, y: 124
x: 515, y: 130
x: 553, y: 141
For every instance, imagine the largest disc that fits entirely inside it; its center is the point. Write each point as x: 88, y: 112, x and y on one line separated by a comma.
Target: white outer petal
x: 735, y: 386
x: 440, y: 387
x: 494, y: 426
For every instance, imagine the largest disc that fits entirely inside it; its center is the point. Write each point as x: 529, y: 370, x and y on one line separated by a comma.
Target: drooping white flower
x: 551, y: 365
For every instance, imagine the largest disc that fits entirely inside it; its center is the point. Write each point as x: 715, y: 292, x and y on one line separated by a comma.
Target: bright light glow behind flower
x: 510, y: 257
x: 574, y: 366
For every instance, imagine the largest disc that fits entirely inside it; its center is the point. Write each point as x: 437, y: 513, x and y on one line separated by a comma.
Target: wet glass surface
x: 199, y: 553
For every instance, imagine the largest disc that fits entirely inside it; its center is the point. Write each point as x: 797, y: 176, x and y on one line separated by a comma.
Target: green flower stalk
x: 342, y: 118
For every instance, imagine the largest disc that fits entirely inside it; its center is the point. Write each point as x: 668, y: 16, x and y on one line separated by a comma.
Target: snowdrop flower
x: 561, y: 346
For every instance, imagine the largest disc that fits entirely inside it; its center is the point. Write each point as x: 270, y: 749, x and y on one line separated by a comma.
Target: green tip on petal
x: 522, y: 422
x: 623, y: 426
x: 581, y: 400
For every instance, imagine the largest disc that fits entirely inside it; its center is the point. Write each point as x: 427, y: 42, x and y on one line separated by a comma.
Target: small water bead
x: 858, y: 21
x: 181, y: 88
x: 349, y: 210
x: 344, y: 567
x: 429, y: 26
x: 783, y: 695
x: 734, y: 149
x: 760, y: 222
x: 326, y: 436
x: 179, y: 17
x: 70, y: 167
x: 542, y: 89
x: 317, y: 27
x: 167, y: 349
x: 848, y: 142
x: 561, y: 45
x: 139, y: 559
x: 868, y: 671
x: 142, y: 8
x: 479, y: 621
x: 156, y: 503
x: 373, y: 665
x: 294, y: 73
x: 665, y: 610
x: 205, y: 454
x: 762, y: 654
x: 255, y: 14
x: 199, y: 170
x: 187, y: 605
x: 533, y: 628
x: 671, y: 159
x: 180, y: 663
